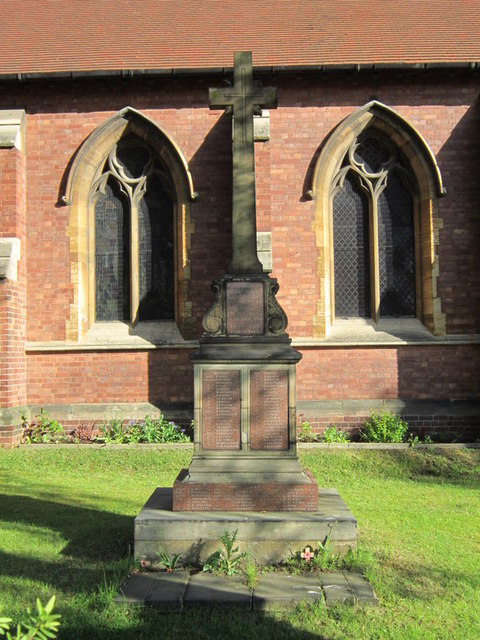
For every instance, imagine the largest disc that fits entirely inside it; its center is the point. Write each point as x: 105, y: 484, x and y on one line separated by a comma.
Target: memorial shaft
x: 244, y: 99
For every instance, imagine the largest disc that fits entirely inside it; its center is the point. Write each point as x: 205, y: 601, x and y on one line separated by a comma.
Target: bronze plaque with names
x: 245, y: 308
x: 268, y: 409
x: 221, y: 409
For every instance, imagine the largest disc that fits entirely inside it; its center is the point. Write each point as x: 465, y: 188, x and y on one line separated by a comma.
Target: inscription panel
x: 268, y: 409
x: 221, y: 409
x: 245, y: 308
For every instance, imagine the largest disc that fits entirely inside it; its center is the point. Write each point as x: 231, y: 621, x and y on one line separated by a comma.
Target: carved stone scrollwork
x: 276, y: 316
x: 213, y: 321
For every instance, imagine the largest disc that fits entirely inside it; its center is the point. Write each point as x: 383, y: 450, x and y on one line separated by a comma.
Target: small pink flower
x: 143, y: 563
x: 307, y: 554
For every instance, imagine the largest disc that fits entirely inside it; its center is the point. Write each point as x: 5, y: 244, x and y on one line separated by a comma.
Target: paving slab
x: 172, y: 591
x: 206, y: 588
x: 362, y: 589
x: 136, y: 588
x: 162, y: 590
x: 279, y: 591
x: 336, y: 588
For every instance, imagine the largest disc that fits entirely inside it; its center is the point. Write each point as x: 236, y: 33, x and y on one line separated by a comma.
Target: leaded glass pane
x: 396, y: 250
x: 133, y: 160
x: 111, y: 256
x: 351, y: 253
x: 371, y: 154
x: 156, y: 277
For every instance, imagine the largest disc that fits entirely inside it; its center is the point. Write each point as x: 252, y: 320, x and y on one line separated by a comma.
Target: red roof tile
x: 47, y: 36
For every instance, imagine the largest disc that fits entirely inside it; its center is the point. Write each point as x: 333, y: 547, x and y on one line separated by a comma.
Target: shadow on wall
x: 458, y: 283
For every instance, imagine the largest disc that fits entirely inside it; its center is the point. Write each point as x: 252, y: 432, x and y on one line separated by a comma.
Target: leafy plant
x: 324, y: 558
x: 42, y: 430
x: 168, y: 561
x: 43, y: 625
x: 151, y: 430
x: 228, y: 559
x: 306, y: 433
x: 332, y: 434
x: 384, y: 427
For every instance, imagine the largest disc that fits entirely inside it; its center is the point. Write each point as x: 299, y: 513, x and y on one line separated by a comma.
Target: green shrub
x: 332, y: 434
x: 150, y: 430
x: 384, y: 427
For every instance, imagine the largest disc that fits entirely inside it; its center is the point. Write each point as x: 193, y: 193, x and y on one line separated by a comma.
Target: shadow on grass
x: 90, y: 534
x: 197, y: 622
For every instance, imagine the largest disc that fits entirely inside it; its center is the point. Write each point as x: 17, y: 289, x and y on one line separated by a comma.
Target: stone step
x: 269, y: 536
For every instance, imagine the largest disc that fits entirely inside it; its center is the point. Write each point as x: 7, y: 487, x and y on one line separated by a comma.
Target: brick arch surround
x: 427, y: 223
x: 85, y: 170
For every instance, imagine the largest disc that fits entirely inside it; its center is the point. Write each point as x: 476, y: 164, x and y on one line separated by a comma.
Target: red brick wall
x: 12, y: 293
x: 431, y: 372
x: 61, y: 114
x: 164, y: 376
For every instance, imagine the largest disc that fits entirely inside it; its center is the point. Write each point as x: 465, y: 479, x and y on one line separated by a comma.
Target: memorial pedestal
x: 245, y: 417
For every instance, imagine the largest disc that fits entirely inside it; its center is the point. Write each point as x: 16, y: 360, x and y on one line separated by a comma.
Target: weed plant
x: 227, y: 559
x: 43, y: 624
x: 42, y: 430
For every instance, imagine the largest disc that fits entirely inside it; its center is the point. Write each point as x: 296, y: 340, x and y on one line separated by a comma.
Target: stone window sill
x: 122, y: 336
x: 390, y: 331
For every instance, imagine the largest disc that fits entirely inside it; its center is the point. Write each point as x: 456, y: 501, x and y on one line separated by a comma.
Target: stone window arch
x: 130, y: 193
x: 376, y: 185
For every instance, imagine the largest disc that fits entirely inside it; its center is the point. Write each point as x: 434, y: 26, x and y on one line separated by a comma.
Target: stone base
x: 269, y: 536
x: 232, y: 482
x: 242, y: 496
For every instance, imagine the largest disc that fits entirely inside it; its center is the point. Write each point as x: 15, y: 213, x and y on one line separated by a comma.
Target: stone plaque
x: 245, y: 308
x: 221, y: 409
x: 269, y: 409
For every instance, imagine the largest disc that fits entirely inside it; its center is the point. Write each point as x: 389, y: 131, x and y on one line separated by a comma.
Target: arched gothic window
x: 130, y: 191
x: 373, y: 232
x: 376, y: 186
x: 134, y: 257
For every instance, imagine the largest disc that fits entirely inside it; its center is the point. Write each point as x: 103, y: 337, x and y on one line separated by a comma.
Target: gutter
x: 275, y: 69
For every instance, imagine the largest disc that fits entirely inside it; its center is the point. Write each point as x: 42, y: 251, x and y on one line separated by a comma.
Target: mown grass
x: 66, y: 528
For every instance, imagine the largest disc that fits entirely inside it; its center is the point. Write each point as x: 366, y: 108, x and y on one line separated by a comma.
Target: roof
x: 64, y: 36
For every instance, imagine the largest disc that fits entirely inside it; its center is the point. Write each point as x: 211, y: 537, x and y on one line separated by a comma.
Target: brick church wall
x: 12, y: 296
x: 61, y: 114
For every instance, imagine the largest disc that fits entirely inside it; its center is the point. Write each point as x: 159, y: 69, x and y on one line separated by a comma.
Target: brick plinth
x: 244, y: 496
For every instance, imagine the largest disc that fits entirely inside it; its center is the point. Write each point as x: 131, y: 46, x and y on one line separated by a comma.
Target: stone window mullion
x: 374, y: 262
x: 134, y: 263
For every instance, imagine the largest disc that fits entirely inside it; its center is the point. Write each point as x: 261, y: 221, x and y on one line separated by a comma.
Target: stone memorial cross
x: 245, y: 98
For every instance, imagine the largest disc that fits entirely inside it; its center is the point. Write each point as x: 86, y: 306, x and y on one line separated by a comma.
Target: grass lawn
x: 66, y: 528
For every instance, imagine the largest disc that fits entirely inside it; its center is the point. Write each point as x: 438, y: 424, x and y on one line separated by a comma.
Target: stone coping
x: 364, y: 337
x: 300, y: 445
x: 275, y: 590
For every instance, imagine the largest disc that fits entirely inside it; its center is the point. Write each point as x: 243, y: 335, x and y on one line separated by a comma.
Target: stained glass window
x: 396, y: 254
x: 351, y: 251
x: 155, y: 228
x: 130, y: 193
x: 387, y: 202
x: 112, y: 273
